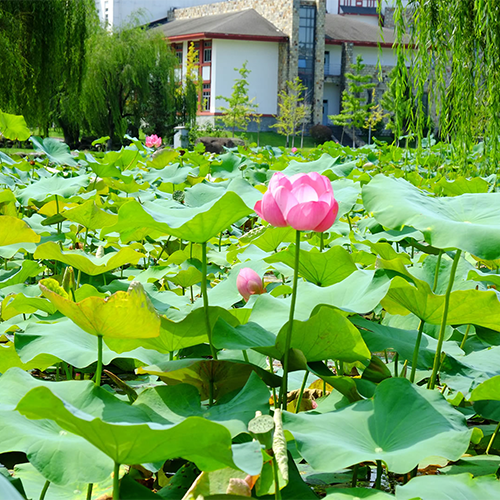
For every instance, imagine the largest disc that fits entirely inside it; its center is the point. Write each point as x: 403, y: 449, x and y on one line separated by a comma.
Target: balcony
x: 358, y: 7
x: 333, y: 69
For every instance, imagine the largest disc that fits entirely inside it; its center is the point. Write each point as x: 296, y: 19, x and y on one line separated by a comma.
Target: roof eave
x: 226, y: 36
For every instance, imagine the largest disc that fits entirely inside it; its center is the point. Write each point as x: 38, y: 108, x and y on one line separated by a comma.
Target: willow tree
x: 42, y: 43
x: 454, y: 54
x: 129, y: 70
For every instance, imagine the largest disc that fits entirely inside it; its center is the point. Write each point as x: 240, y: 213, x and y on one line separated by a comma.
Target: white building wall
x: 331, y: 94
x: 335, y: 66
x: 119, y: 11
x: 262, y: 60
x: 371, y: 55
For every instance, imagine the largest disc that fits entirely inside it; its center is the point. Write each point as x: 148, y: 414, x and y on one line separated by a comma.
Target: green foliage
x: 292, y: 111
x: 157, y: 242
x: 239, y: 106
x: 454, y: 50
x: 355, y: 110
x: 130, y: 72
x: 44, y: 51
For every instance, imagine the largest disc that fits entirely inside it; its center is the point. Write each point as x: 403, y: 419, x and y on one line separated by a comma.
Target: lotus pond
x: 133, y: 368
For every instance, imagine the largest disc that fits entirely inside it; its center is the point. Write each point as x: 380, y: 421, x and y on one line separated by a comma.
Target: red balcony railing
x: 359, y: 3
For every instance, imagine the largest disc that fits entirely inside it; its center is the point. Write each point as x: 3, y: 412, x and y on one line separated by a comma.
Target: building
x: 316, y: 40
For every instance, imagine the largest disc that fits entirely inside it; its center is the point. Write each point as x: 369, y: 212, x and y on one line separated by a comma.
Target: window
x: 205, y: 106
x: 178, y: 52
x: 327, y: 63
x: 207, y: 51
x: 307, y: 33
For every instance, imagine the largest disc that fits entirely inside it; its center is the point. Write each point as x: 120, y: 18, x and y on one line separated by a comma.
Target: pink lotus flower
x: 153, y: 141
x: 249, y: 283
x: 294, y: 150
x: 303, y: 201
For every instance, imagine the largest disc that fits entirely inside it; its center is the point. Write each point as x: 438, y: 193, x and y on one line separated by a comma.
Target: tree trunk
x: 353, y: 139
x: 369, y: 134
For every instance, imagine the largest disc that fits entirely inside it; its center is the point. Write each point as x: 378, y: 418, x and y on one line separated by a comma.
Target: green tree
x: 355, y: 110
x: 453, y: 49
x: 292, y: 112
x: 397, y: 101
x: 237, y: 113
x: 190, y: 90
x: 43, y: 58
x: 130, y: 71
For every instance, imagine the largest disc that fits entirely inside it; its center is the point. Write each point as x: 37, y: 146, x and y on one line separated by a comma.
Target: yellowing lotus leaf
x: 122, y: 315
x: 14, y: 230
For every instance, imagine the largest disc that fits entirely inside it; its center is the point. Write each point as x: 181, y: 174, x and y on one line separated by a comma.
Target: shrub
x: 320, y: 133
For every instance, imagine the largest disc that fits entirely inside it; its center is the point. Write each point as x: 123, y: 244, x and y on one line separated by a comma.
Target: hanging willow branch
x: 453, y: 54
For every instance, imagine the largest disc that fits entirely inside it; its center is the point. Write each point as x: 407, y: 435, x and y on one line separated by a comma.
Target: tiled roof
x: 242, y: 24
x: 340, y: 28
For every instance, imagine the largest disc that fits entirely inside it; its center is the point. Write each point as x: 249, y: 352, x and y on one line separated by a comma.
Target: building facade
x: 315, y: 40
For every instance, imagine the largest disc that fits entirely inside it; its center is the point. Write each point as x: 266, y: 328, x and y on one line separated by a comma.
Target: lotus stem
x: 116, y: 482
x: 301, y: 393
x: 98, y: 372
x: 321, y: 241
x: 494, y: 435
x: 462, y: 344
x: 378, y: 480
x: 396, y: 361
x: 89, y: 491
x: 354, y: 480
x: 288, y: 341
x: 436, y: 272
x: 245, y: 355
x: 414, y: 361
x: 205, y: 297
x: 437, y: 358
x: 277, y: 492
x: 44, y: 490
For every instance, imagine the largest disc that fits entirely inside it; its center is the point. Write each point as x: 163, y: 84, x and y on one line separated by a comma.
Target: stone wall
x: 319, y: 62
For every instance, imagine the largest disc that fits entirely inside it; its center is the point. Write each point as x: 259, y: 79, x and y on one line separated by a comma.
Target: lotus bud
x: 68, y: 282
x: 100, y: 252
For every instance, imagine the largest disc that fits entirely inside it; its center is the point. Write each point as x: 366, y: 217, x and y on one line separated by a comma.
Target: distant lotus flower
x: 294, y: 150
x: 153, y: 141
x: 249, y: 283
x: 303, y: 201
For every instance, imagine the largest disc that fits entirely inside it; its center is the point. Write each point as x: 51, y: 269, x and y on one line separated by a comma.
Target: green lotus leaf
x: 88, y: 214
x: 447, y: 487
x: 34, y: 483
x: 9, y: 358
x: 8, y: 203
x: 67, y: 342
x: 87, y: 263
x: 225, y: 376
x: 164, y: 159
x: 177, y: 402
x: 483, y: 307
x: 121, y: 315
x: 46, y: 189
x: 175, y: 335
x: 8, y: 490
x: 461, y: 185
x: 125, y: 433
x: 357, y: 494
x: 401, y: 426
x: 62, y: 457
x: 28, y: 269
x: 14, y: 127
x: 19, y: 303
x: 198, y: 224
x: 458, y: 222
x: 359, y: 293
x: 381, y: 337
x: 56, y: 151
x: 327, y: 334
x: 14, y: 230
x: 325, y: 165
x: 320, y: 268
